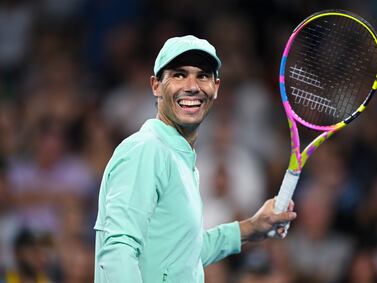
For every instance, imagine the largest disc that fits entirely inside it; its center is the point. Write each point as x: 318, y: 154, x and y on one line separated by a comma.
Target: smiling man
x: 150, y: 226
x: 186, y: 88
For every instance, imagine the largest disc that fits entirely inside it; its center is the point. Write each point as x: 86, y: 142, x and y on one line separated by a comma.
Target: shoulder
x: 142, y: 148
x: 141, y: 142
x: 142, y: 155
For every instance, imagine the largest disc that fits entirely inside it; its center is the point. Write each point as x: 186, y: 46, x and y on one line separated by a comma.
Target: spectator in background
x: 316, y: 250
x: 366, y: 219
x: 229, y: 172
x: 246, y: 99
x: 95, y: 133
x: 8, y: 131
x: 126, y: 107
x: 16, y: 30
x: 218, y: 272
x: 76, y: 262
x: 9, y: 223
x: 47, y: 181
x: 361, y: 268
x: 60, y: 14
x: 265, y: 263
x: 32, y: 260
x: 52, y: 86
x: 101, y: 19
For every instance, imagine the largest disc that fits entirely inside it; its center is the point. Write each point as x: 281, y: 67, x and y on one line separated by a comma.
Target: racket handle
x: 283, y: 198
x: 286, y: 191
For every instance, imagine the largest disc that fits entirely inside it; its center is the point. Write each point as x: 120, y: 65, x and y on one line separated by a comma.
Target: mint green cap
x: 176, y: 46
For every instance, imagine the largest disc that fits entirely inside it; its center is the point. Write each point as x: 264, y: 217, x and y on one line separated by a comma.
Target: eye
x: 178, y: 75
x: 204, y: 76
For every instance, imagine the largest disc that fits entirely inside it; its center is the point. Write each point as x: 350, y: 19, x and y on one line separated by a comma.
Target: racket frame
x: 298, y: 159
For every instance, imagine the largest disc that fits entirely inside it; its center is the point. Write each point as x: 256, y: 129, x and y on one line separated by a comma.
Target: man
x: 149, y: 226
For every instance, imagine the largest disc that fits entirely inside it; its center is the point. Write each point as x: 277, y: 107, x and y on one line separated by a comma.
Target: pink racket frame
x: 298, y: 159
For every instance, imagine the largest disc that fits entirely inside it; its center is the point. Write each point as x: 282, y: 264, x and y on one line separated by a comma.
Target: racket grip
x: 286, y: 191
x: 282, y: 200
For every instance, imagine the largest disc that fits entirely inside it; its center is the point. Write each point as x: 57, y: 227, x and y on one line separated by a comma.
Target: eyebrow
x: 178, y: 69
x: 181, y: 69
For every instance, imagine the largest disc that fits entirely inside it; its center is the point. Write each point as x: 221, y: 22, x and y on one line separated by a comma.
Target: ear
x: 155, y: 86
x: 217, y: 86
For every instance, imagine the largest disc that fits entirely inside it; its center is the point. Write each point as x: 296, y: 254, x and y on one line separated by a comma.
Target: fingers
x: 283, y: 217
x: 279, y: 231
x: 281, y: 222
x: 282, y: 232
x: 291, y: 205
x: 288, y: 216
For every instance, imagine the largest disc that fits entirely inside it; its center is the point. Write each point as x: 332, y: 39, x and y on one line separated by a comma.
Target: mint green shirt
x: 150, y: 223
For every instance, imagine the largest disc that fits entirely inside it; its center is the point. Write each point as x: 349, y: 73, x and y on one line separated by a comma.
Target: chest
x: 180, y: 206
x: 182, y: 195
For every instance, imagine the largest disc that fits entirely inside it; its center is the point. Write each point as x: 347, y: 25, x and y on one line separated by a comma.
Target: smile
x: 189, y: 103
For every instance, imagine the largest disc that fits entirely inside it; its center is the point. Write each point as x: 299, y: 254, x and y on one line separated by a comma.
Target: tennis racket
x: 327, y: 77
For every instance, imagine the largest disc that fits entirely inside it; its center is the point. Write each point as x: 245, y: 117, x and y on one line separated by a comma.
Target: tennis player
x: 150, y: 224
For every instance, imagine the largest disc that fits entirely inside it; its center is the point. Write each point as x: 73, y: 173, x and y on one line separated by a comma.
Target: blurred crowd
x: 74, y: 82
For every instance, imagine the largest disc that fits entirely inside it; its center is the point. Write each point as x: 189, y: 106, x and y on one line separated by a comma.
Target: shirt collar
x: 168, y: 134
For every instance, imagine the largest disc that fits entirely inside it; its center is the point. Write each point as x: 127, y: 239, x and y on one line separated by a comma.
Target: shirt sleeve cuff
x: 234, y: 235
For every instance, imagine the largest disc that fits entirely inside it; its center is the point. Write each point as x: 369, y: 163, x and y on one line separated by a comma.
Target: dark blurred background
x: 74, y: 82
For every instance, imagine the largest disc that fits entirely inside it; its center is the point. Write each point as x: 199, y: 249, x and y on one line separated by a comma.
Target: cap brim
x: 193, y: 57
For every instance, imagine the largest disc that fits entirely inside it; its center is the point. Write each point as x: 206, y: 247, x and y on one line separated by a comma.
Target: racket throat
x: 287, y: 188
x: 295, y: 162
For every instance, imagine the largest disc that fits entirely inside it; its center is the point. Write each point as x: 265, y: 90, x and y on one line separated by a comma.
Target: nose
x: 191, y: 85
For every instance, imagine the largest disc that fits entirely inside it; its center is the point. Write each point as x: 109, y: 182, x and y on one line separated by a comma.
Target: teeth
x: 189, y: 102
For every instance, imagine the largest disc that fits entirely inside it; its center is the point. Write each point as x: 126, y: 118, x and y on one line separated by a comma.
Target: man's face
x: 185, y: 94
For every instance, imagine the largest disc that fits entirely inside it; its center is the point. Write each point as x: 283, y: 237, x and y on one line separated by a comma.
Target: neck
x: 190, y: 133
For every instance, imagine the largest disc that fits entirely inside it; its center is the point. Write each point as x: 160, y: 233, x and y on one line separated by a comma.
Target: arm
x: 219, y: 242
x: 132, y: 193
x: 118, y: 261
x: 226, y: 239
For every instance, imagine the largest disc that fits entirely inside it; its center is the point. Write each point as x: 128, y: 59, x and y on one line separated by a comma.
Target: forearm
x: 248, y: 232
x: 117, y: 262
x: 220, y: 242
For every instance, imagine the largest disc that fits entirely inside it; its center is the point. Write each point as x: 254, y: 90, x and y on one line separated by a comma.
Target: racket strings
x: 336, y: 62
x: 330, y: 69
